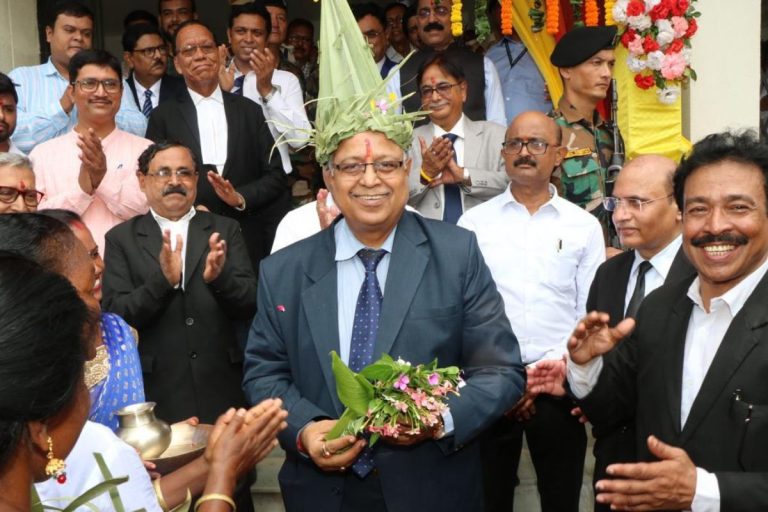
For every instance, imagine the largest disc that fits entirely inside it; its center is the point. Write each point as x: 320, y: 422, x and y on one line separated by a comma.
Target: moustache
x: 525, y: 160
x: 175, y: 189
x: 725, y: 238
x: 434, y: 26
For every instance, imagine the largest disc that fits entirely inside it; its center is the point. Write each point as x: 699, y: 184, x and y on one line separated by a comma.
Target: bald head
x: 534, y: 118
x: 647, y: 219
x: 531, y: 152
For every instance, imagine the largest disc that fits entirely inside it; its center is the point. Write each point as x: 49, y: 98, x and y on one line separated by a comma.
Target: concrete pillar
x: 726, y: 57
x: 19, y: 45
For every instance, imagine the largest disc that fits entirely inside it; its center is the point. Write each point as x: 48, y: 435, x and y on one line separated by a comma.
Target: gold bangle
x: 426, y: 178
x: 215, y: 496
x: 159, y: 493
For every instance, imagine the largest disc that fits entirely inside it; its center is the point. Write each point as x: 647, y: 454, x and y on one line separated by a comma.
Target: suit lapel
x: 320, y: 304
x: 410, y: 255
x: 149, y: 236
x: 198, y: 233
x: 672, y: 360
x: 233, y: 128
x: 680, y: 268
x: 473, y: 133
x: 619, y: 293
x: 739, y: 340
x: 132, y: 87
x: 189, y: 117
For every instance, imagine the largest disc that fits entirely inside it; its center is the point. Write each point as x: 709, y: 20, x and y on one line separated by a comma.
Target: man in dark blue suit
x: 422, y: 290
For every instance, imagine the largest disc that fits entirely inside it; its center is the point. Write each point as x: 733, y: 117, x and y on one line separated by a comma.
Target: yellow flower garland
x: 457, y: 28
x: 609, y: 12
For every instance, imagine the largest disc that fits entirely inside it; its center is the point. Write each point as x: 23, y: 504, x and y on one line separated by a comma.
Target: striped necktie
x: 146, y: 109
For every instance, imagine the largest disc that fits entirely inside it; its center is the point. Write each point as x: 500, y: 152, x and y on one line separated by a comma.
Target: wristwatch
x: 466, y: 176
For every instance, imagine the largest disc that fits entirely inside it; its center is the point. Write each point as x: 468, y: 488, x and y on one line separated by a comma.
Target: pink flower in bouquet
x: 636, y: 46
x: 419, y: 398
x: 679, y: 25
x: 390, y: 431
x: 402, y: 382
x: 434, y: 379
x: 673, y: 66
x: 429, y: 419
x: 400, y: 406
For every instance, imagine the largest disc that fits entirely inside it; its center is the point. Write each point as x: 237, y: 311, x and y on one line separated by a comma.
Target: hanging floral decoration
x: 657, y: 35
x: 506, y: 17
x: 536, y: 13
x: 553, y: 17
x: 591, y: 13
x: 457, y: 28
x: 609, y: 12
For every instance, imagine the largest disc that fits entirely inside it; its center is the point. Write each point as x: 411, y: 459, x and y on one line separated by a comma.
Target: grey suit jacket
x: 482, y: 156
x: 722, y: 434
x: 440, y: 302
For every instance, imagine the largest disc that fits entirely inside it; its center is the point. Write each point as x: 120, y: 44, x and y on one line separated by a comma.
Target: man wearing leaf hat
x: 585, y: 58
x: 378, y: 281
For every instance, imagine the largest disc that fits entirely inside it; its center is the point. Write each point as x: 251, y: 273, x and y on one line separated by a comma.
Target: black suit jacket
x: 608, y: 293
x: 252, y: 170
x: 190, y: 358
x: 643, y: 385
x: 170, y: 86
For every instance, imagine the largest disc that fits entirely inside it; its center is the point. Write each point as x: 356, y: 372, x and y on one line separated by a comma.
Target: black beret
x: 580, y: 44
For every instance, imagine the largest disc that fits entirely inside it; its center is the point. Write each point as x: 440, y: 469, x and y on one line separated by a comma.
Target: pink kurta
x: 57, y: 165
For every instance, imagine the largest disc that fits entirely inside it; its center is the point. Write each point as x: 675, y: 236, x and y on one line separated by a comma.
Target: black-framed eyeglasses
x: 110, y: 85
x: 515, y: 146
x: 30, y: 196
x: 634, y: 204
x: 442, y: 89
x: 165, y: 174
x: 372, y: 34
x: 439, y: 10
x: 191, y: 49
x: 299, y: 39
x: 383, y: 168
x: 150, y: 51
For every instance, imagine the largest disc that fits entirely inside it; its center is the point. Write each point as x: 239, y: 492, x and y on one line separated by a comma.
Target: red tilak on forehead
x: 22, y: 186
x: 368, y: 149
x: 434, y: 81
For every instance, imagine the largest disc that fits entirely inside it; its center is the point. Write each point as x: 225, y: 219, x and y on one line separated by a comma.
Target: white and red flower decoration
x: 657, y: 34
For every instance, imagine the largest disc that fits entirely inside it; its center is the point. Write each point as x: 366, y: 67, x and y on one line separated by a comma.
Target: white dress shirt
x: 212, y: 127
x: 176, y: 227
x: 140, y: 89
x: 83, y: 473
x: 661, y: 262
x: 543, y: 265
x: 706, y: 330
x: 285, y: 114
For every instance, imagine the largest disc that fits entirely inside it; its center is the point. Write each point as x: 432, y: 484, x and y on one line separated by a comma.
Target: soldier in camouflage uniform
x: 585, y: 58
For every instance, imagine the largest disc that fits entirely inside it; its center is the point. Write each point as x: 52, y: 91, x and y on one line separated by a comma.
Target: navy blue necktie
x: 452, y: 209
x: 364, y: 329
x: 146, y: 109
x: 237, y: 87
x: 386, y: 67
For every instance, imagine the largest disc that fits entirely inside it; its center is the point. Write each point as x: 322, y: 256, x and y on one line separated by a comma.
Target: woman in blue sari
x: 114, y: 376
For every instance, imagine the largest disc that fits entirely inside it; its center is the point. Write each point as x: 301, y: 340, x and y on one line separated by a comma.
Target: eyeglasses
x: 91, y: 84
x: 372, y: 34
x: 191, y: 49
x: 165, y: 174
x: 633, y: 204
x: 30, y: 196
x: 439, y: 10
x: 442, y: 89
x: 383, y: 169
x: 300, y: 39
x: 150, y: 52
x: 515, y: 146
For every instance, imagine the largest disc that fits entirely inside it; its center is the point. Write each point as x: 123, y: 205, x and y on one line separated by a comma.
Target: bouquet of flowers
x: 390, y: 395
x: 657, y: 34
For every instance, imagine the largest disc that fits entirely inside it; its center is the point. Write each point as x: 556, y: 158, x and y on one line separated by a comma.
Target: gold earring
x: 55, y: 467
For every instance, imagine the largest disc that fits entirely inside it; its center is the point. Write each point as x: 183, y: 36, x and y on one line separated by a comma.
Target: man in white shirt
x: 456, y: 160
x: 543, y: 252
x: 253, y: 74
x: 691, y: 377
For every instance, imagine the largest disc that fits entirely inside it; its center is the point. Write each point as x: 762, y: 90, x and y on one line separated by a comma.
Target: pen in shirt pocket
x: 559, y: 244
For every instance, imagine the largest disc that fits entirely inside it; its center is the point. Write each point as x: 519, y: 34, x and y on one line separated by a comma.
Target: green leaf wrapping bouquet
x: 389, y: 395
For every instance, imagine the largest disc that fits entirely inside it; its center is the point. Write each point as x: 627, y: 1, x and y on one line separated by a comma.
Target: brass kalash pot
x: 141, y: 429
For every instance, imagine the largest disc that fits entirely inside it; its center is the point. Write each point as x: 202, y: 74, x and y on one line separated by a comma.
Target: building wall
x: 726, y: 57
x: 18, y: 34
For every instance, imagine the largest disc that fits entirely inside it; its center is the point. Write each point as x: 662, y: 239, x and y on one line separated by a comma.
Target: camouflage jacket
x: 590, y: 147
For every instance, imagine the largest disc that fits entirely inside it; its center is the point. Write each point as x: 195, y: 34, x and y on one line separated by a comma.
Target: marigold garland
x: 553, y: 16
x: 506, y: 17
x: 457, y: 27
x: 591, y: 13
x: 609, y: 12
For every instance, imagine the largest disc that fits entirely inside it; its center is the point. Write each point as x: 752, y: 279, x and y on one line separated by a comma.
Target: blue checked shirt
x: 40, y: 116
